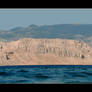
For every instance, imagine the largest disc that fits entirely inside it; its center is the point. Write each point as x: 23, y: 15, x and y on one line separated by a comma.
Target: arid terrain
x: 30, y: 51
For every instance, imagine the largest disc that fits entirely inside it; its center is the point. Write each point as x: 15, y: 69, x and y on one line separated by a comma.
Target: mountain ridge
x: 63, y: 31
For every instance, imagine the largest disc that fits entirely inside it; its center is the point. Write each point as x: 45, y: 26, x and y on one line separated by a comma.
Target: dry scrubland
x: 31, y: 51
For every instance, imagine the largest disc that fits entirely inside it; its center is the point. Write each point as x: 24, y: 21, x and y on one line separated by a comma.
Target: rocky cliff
x: 30, y: 51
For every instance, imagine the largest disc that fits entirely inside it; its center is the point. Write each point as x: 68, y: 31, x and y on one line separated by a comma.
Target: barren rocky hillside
x: 31, y: 51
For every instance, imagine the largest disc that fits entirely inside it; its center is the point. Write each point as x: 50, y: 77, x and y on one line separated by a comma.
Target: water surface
x: 47, y: 74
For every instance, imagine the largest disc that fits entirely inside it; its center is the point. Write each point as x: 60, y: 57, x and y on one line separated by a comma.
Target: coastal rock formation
x: 31, y: 51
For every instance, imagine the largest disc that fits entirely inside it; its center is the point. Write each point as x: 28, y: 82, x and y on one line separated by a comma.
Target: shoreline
x: 48, y: 66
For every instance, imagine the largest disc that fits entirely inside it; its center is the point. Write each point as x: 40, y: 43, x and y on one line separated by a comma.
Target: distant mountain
x: 16, y: 28
x: 64, y: 31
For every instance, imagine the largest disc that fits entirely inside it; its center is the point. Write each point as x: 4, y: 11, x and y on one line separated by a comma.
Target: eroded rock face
x: 45, y: 51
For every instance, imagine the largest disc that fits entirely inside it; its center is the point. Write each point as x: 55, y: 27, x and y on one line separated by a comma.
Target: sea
x: 46, y: 74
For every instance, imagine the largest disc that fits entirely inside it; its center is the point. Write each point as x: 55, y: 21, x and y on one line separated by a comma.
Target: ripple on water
x: 39, y: 75
x: 2, y: 73
x: 23, y: 70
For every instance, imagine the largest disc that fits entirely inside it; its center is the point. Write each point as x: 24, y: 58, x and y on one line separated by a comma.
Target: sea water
x: 46, y: 74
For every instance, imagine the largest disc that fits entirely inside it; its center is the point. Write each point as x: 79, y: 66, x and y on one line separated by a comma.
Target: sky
x: 11, y: 18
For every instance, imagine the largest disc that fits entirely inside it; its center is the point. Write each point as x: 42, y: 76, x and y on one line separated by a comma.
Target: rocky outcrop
x: 45, y: 51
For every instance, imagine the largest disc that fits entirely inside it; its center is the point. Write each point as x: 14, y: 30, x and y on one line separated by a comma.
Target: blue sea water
x: 46, y: 74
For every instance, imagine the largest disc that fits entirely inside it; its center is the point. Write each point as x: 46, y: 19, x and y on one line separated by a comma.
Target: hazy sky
x: 10, y: 18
